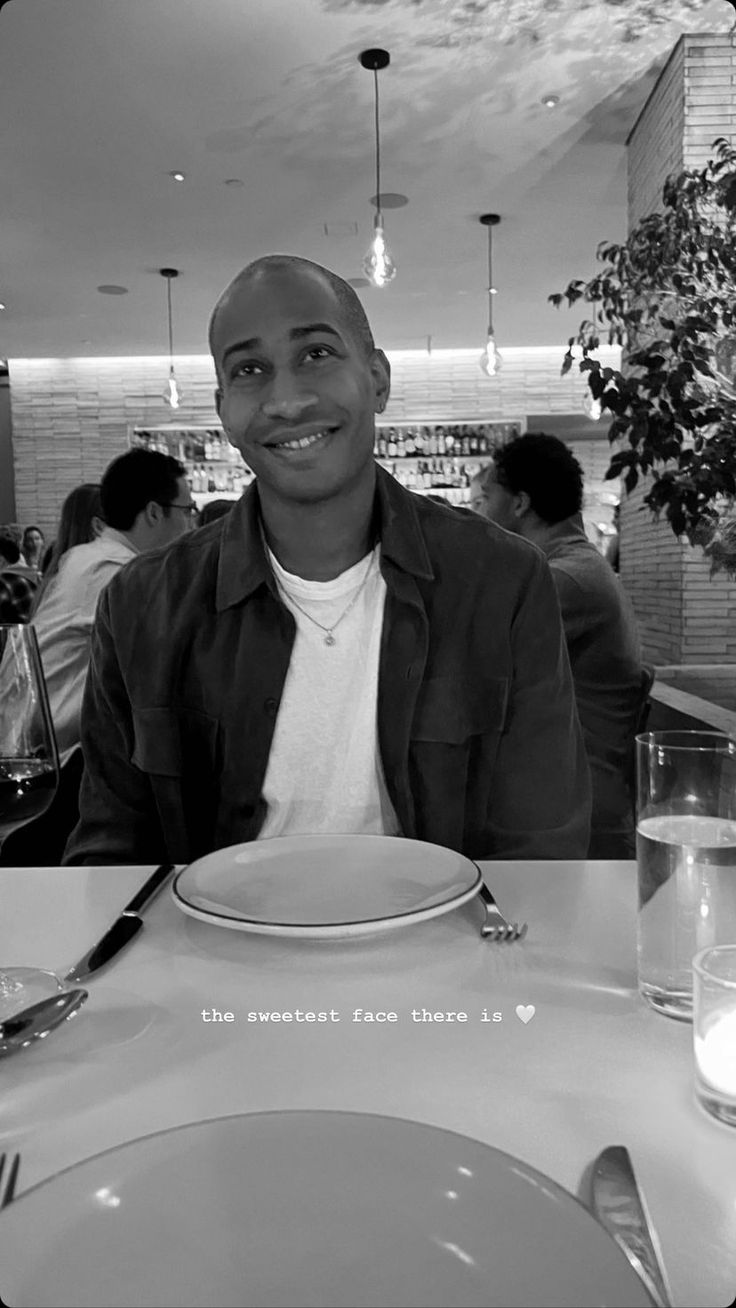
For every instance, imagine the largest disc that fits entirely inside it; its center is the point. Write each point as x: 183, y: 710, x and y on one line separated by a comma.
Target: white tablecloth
x: 593, y: 1067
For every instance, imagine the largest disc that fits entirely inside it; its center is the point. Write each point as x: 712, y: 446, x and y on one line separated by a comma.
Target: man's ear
x: 153, y: 513
x: 381, y: 371
x: 522, y: 504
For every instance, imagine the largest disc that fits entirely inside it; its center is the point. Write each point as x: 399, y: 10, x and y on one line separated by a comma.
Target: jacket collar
x: 569, y: 531
x: 243, y: 565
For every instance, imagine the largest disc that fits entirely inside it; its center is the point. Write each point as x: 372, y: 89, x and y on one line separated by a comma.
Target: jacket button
x: 271, y: 705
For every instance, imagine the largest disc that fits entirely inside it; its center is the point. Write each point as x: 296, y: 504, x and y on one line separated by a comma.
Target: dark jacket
x: 477, y: 727
x: 605, y: 657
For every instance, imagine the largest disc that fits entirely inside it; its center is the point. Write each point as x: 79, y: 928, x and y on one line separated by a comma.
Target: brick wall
x: 684, y: 617
x: 71, y: 416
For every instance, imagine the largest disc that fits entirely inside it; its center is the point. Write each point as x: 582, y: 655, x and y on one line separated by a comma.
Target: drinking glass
x: 686, y: 857
x: 29, y: 777
x: 714, y: 1031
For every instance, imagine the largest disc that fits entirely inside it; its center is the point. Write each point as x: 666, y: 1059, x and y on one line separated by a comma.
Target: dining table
x: 542, y: 1048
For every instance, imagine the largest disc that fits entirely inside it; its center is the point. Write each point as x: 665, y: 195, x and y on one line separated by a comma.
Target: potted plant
x: 667, y: 296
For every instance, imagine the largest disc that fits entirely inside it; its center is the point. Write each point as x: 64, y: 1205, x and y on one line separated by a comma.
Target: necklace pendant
x: 330, y: 639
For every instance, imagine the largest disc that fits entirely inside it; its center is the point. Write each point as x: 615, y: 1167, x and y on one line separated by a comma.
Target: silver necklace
x: 329, y: 638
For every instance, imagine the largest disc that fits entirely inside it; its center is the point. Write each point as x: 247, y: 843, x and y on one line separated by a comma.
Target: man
x: 534, y: 487
x: 335, y: 655
x: 146, y: 503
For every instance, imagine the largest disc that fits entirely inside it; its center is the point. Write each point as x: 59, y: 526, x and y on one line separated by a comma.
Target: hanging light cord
x: 378, y: 152
x: 490, y: 281
x: 171, y: 334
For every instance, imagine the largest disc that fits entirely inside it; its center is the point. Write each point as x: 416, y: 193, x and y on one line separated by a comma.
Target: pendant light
x: 490, y: 360
x: 378, y: 265
x: 172, y: 394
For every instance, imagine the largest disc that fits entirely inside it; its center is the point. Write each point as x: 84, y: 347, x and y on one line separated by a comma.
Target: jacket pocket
x: 168, y: 742
x: 452, y: 709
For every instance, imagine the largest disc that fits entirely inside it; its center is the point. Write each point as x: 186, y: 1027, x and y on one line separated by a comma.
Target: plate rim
x: 559, y: 1192
x: 322, y: 930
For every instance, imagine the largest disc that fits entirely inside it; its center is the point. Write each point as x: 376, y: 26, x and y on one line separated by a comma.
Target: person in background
x: 17, y: 583
x: 534, y: 488
x: 212, y: 510
x: 32, y: 548
x: 80, y: 522
x: 146, y: 504
x: 337, y: 655
x: 613, y: 548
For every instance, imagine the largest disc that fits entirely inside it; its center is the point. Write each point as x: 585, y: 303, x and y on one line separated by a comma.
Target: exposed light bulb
x: 171, y: 394
x: 378, y: 265
x: 592, y: 407
x: 490, y: 360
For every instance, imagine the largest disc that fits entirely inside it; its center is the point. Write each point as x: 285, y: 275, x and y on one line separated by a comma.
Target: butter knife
x: 123, y: 930
x: 619, y: 1206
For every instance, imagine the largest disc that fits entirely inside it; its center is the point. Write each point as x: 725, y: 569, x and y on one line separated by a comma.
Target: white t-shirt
x: 324, y: 772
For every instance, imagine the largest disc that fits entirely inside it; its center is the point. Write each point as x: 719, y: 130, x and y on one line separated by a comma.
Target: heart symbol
x: 525, y: 1012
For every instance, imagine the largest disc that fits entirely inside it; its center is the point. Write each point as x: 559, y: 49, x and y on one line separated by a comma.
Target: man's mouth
x: 302, y: 442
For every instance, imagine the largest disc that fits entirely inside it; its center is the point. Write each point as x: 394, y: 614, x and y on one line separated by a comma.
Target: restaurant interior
x: 401, y: 1105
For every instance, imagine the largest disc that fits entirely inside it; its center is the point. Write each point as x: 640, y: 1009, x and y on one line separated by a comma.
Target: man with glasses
x: 146, y: 505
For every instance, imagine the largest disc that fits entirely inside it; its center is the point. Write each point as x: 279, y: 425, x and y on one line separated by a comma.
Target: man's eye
x: 319, y: 352
x: 248, y: 368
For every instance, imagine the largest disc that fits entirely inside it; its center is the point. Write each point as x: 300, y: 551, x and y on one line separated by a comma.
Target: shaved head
x: 350, y: 306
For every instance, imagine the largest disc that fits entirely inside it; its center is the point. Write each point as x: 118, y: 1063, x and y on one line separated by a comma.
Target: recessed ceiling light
x: 178, y: 177
x: 112, y: 290
x: 2, y: 306
x: 549, y: 101
x: 233, y: 181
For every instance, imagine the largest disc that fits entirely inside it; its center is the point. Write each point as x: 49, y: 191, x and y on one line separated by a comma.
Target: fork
x: 7, y: 1184
x: 495, y: 926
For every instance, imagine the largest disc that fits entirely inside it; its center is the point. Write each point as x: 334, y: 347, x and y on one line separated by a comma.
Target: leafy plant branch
x: 667, y: 296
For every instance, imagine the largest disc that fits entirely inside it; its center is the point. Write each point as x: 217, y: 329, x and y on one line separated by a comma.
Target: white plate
x: 325, y: 886
x: 307, y: 1208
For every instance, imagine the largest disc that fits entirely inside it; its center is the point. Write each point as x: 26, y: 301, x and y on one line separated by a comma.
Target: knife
x: 123, y: 930
x: 619, y: 1206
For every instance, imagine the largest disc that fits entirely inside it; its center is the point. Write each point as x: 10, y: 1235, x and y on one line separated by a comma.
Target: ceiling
x: 100, y: 100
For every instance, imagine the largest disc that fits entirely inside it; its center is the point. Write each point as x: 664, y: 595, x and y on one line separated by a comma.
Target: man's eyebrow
x: 296, y: 334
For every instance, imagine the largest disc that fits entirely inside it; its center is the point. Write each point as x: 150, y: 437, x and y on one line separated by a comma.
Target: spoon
x: 36, y: 1021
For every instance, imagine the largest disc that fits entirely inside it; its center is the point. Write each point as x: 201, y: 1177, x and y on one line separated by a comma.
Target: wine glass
x: 29, y: 778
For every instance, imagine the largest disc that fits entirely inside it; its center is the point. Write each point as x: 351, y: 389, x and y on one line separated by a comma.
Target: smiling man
x: 336, y: 655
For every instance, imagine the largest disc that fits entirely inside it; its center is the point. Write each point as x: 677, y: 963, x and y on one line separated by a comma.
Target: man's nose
x: 288, y: 396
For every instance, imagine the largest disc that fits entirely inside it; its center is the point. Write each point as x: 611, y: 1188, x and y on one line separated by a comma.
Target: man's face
x: 179, y: 517
x: 495, y: 502
x: 291, y: 371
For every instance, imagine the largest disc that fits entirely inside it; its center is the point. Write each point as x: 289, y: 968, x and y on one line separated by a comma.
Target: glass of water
x: 686, y: 859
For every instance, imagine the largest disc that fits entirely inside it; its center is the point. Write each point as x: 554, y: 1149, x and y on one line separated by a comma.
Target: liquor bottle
x: 441, y: 443
x: 392, y: 447
x: 400, y: 447
x: 381, y: 446
x: 410, y: 443
x: 450, y: 440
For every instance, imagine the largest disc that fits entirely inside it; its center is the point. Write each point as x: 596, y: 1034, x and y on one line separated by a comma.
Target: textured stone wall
x: 685, y: 618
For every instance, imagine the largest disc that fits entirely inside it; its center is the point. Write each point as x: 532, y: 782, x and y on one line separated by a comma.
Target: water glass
x: 714, y: 1031
x: 686, y: 858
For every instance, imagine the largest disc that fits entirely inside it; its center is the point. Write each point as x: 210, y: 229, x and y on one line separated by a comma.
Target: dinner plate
x: 307, y: 1210
x: 325, y: 886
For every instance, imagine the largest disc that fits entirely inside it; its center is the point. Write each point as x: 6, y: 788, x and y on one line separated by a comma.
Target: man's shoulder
x: 181, y: 564
x: 466, y: 534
